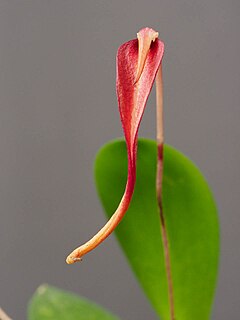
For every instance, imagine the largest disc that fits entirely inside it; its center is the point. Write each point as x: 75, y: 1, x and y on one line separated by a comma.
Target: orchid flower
x: 138, y: 64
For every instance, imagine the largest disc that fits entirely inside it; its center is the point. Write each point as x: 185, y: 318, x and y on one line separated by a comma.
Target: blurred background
x: 58, y: 106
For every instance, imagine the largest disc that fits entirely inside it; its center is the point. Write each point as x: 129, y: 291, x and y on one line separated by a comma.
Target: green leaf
x: 49, y: 303
x: 191, y: 220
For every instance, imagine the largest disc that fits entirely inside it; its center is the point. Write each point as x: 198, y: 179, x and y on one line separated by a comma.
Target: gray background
x: 58, y: 106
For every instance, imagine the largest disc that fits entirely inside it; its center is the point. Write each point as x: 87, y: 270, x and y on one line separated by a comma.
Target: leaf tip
x: 42, y: 289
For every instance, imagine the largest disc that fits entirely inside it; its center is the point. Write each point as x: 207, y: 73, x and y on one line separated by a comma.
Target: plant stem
x: 159, y: 178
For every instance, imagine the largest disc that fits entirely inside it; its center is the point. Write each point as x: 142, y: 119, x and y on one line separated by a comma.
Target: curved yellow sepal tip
x: 71, y: 260
x: 145, y: 37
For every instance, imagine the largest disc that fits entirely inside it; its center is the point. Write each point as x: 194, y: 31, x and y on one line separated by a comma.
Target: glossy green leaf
x: 49, y: 303
x: 191, y: 219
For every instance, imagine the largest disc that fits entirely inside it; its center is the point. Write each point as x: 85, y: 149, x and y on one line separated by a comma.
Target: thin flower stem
x: 159, y: 178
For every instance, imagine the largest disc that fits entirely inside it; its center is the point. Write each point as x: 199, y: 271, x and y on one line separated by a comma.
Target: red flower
x: 138, y: 62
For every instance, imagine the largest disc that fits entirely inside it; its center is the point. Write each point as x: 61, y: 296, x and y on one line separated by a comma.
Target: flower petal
x: 138, y: 61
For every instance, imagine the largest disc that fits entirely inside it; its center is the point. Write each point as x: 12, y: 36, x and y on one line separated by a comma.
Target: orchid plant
x: 170, y: 233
